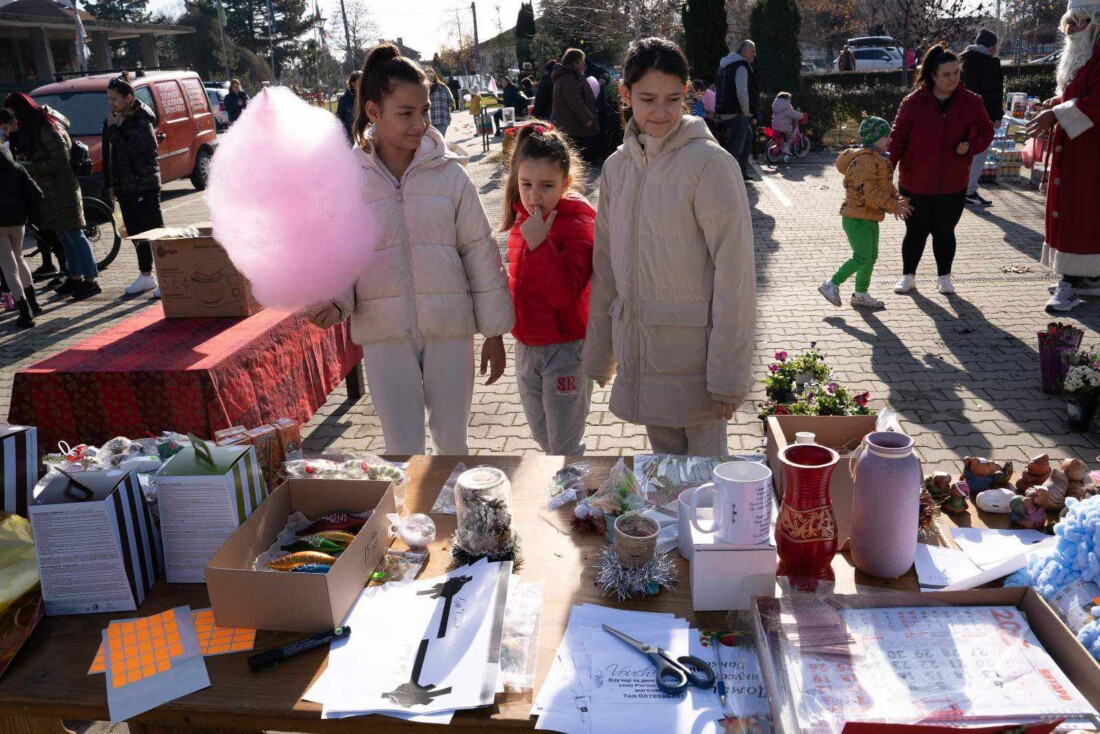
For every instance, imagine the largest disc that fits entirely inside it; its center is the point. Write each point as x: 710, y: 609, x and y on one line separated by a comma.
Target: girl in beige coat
x: 673, y: 283
x: 435, y: 277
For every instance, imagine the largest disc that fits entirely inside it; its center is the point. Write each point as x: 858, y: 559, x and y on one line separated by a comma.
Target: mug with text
x: 742, y: 495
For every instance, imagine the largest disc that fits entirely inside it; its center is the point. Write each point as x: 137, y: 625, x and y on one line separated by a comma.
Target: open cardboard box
x: 843, y: 434
x: 1073, y: 659
x: 196, y: 276
x: 299, y: 602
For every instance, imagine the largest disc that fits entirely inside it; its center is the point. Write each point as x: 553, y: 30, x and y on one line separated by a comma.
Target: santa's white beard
x: 1078, y: 50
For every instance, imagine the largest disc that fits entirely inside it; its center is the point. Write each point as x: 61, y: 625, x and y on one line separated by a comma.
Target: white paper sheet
x: 988, y: 548
x: 939, y: 567
x: 457, y: 647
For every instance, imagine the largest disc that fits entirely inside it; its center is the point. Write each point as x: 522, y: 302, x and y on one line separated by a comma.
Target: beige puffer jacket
x: 674, y: 281
x: 435, y: 270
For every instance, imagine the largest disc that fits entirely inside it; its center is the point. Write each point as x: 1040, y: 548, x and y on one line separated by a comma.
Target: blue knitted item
x: 1076, y: 555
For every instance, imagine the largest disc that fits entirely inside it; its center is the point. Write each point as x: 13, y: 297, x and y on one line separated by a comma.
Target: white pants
x: 407, y: 377
x: 976, y: 167
x: 705, y: 439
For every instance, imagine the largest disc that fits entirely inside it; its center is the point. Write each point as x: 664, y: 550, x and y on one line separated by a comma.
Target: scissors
x: 673, y: 674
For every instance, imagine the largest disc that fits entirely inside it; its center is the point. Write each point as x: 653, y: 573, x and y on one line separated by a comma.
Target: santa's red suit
x: 1073, y: 200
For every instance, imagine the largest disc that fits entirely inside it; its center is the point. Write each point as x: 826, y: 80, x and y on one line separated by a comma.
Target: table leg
x: 31, y: 725
x: 355, y: 381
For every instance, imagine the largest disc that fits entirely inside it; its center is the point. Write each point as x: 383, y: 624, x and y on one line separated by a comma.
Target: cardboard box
x: 197, y: 278
x: 725, y: 577
x: 97, y: 546
x: 18, y: 467
x: 1073, y: 659
x: 842, y: 433
x: 299, y: 602
x: 290, y: 438
x: 205, y: 492
x: 266, y: 440
x: 227, y: 432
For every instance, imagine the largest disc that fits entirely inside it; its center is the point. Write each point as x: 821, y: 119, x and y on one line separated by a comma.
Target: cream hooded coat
x: 674, y: 281
x: 436, y: 269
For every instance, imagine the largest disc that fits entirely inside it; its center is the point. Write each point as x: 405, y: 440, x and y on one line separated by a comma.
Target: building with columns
x: 38, y: 40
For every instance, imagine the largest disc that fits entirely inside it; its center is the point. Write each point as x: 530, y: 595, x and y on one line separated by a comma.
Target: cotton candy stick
x: 285, y: 201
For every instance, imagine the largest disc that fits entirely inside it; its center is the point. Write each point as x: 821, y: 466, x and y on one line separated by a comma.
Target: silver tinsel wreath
x: 628, y: 583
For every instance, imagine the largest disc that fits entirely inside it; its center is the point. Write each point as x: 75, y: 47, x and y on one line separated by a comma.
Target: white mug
x: 683, y: 520
x: 742, y: 503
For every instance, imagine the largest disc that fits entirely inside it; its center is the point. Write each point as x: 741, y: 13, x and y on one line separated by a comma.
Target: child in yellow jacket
x: 868, y: 195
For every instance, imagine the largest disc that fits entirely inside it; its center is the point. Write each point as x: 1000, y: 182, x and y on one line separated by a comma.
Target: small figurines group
x: 1040, y: 489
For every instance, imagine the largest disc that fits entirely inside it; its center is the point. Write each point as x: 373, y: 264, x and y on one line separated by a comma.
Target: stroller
x: 798, y: 143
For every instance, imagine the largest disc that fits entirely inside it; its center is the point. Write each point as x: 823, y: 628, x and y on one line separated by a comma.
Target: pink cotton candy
x: 284, y: 198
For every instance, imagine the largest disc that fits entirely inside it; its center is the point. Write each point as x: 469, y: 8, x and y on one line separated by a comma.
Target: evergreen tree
x: 774, y: 26
x: 247, y: 22
x: 525, y: 31
x: 704, y: 35
x: 118, y: 11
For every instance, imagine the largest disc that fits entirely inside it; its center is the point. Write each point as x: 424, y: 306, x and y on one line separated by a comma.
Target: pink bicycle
x: 798, y: 143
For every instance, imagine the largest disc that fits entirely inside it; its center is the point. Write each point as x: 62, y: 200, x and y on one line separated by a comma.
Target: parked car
x: 185, y: 126
x: 873, y: 58
x: 217, y: 96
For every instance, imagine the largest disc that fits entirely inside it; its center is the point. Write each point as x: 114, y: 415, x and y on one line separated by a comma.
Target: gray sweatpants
x: 555, y: 395
x: 705, y: 439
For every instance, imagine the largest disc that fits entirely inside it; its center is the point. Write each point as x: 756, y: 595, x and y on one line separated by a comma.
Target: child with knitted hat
x: 868, y: 195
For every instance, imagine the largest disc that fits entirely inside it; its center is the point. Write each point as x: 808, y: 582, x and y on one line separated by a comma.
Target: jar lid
x: 482, y: 477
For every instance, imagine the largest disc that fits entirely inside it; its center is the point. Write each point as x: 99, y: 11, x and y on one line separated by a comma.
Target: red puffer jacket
x: 550, y: 284
x: 924, y: 140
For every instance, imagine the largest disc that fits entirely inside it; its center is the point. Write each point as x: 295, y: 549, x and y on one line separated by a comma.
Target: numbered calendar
x: 923, y: 664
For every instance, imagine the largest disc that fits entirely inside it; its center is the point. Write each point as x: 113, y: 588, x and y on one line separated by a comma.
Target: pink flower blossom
x: 781, y: 356
x: 831, y: 388
x: 781, y: 410
x: 773, y: 367
x: 862, y: 398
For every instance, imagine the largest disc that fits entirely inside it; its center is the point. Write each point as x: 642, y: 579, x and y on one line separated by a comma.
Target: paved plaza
x: 962, y: 371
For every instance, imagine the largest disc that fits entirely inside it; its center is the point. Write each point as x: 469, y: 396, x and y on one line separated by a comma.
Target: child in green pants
x: 868, y: 195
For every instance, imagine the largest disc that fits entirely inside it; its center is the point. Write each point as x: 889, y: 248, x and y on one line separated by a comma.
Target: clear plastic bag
x: 519, y: 643
x: 343, y: 464
x: 567, y: 485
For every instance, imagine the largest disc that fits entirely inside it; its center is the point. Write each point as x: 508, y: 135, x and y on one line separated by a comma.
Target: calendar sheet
x: 926, y: 664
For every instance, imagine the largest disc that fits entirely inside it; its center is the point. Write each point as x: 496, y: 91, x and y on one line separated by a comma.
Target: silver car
x: 217, y: 106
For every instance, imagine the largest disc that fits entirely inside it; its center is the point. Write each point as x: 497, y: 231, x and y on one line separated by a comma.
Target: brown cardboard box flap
x: 298, y: 602
x: 197, y: 277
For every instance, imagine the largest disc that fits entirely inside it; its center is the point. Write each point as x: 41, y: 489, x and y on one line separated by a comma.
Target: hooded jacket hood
x: 562, y: 69
x: 689, y: 129
x: 432, y: 153
x: 844, y: 160
x: 141, y: 110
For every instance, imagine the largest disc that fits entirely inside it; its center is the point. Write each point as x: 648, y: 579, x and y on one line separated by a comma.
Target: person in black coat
x: 132, y: 172
x: 345, y: 108
x: 981, y: 74
x: 20, y: 199
x: 236, y: 100
x: 456, y: 91
x: 544, y: 92
x: 514, y: 98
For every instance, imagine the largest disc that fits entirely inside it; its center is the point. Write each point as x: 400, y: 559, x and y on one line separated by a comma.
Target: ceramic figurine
x: 938, y: 485
x: 997, y: 499
x: 982, y: 474
x: 1071, y: 479
x: 1035, y: 473
x: 1027, y: 514
x: 1078, y: 482
x: 956, y: 501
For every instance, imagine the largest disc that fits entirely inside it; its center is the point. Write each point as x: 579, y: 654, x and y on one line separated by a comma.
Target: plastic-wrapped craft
x: 483, y: 498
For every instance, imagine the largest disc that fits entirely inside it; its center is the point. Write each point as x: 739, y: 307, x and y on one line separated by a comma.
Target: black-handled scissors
x: 674, y: 675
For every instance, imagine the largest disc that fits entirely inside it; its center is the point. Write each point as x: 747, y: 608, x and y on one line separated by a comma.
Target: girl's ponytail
x: 383, y: 66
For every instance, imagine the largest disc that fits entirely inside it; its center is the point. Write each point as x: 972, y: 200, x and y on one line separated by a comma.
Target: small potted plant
x: 1082, y: 388
x: 1056, y: 343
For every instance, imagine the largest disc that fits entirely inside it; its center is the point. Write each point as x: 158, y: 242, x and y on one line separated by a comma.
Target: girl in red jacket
x: 939, y: 129
x: 549, y: 269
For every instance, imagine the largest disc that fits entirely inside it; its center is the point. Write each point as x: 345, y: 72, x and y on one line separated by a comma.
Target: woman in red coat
x: 938, y: 130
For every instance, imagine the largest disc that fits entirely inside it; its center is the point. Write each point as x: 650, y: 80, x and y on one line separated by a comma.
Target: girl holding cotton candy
x: 434, y: 277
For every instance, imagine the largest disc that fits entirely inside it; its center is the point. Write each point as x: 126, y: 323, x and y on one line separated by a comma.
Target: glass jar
x: 483, y: 499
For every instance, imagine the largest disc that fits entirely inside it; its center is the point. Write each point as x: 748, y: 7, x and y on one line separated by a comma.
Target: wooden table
x: 48, y: 678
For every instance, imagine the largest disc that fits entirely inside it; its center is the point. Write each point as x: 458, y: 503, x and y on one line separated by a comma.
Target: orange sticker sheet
x: 150, y: 661
x: 213, y: 640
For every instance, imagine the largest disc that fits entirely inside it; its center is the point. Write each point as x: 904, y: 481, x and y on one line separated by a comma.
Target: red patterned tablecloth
x: 150, y: 374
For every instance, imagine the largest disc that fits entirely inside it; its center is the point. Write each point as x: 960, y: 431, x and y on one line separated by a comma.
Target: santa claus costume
x: 1072, y: 248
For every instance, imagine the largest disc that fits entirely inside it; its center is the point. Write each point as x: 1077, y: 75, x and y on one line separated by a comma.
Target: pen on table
x: 718, y: 673
x: 271, y: 658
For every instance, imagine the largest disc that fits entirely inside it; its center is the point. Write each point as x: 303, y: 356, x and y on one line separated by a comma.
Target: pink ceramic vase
x: 885, y: 505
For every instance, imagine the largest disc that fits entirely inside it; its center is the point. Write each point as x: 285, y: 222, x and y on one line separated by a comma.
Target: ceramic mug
x: 683, y: 519
x: 742, y: 503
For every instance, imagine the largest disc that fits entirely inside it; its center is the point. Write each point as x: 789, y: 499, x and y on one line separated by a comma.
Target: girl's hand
x: 722, y: 411
x: 493, y: 358
x: 1043, y: 122
x: 963, y: 148
x: 535, y: 230
x: 325, y: 316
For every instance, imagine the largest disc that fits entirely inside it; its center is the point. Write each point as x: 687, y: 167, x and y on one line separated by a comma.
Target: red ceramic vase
x: 806, y: 532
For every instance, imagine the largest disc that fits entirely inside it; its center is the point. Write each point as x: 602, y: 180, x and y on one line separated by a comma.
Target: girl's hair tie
x: 539, y: 129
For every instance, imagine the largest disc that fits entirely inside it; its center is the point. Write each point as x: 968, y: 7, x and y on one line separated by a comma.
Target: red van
x: 185, y: 126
